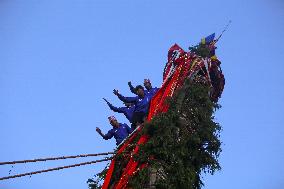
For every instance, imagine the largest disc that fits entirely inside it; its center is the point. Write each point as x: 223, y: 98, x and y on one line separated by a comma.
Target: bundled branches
x: 183, y: 143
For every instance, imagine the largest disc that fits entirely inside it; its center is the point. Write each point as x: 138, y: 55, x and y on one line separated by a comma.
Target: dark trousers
x: 137, y: 118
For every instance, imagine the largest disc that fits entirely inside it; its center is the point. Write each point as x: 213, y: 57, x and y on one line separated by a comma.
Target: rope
x: 55, y: 158
x: 55, y: 169
x: 225, y: 29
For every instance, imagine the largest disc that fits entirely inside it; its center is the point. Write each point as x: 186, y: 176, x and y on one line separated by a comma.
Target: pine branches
x: 183, y: 143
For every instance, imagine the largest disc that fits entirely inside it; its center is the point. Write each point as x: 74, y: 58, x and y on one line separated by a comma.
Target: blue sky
x: 59, y: 58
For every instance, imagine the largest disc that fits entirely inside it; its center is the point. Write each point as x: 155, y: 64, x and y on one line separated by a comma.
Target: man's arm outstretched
x: 132, y: 89
x: 124, y: 99
x: 113, y: 108
x: 107, y: 136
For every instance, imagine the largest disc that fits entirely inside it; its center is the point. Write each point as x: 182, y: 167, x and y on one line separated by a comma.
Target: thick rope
x: 55, y: 158
x: 54, y: 169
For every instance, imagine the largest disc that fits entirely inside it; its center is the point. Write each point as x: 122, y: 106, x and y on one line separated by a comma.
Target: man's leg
x: 138, y: 118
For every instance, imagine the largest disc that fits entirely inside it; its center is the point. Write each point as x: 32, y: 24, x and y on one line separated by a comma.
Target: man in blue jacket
x: 150, y: 91
x: 119, y: 131
x: 127, y: 110
x: 141, y: 102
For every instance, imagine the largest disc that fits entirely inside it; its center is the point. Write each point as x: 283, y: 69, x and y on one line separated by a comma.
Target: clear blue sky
x: 59, y: 58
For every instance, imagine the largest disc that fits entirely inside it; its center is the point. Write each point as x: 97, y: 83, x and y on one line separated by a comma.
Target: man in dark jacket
x: 150, y: 91
x: 141, y: 102
x: 119, y: 131
x: 127, y: 110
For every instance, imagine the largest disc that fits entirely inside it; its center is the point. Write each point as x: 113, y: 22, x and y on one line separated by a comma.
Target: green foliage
x: 94, y: 183
x: 121, y: 162
x: 183, y: 143
x: 200, y: 50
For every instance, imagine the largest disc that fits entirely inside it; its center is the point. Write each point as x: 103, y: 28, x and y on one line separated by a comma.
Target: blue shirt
x: 151, y: 92
x: 127, y: 111
x: 141, y: 104
x: 119, y: 133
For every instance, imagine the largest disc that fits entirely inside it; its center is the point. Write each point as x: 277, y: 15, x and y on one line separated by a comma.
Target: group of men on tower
x: 135, y: 110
